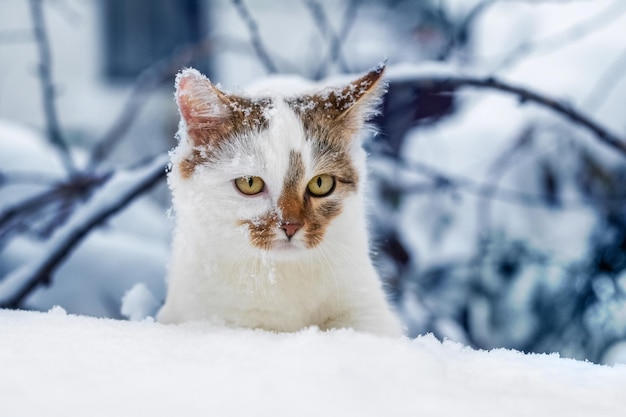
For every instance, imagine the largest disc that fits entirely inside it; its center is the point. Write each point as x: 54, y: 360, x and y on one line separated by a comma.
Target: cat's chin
x: 287, y: 250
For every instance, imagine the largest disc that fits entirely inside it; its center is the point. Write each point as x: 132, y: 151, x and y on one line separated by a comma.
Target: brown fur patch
x: 331, y: 125
x: 296, y: 206
x: 291, y: 197
x: 210, y: 123
x: 333, y: 115
x: 262, y: 230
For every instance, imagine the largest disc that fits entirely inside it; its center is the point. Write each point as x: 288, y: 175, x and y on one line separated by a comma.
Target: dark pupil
x: 250, y: 182
x: 319, y: 182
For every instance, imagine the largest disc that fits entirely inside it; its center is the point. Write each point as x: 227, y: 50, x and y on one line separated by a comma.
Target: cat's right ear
x: 204, y: 109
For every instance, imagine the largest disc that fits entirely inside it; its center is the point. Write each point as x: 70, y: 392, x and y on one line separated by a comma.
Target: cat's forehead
x: 285, y: 129
x: 270, y: 150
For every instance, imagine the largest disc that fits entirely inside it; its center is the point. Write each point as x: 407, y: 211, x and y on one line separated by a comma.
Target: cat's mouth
x: 288, y: 246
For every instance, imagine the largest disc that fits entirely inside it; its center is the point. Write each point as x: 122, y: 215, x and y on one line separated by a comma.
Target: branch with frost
x: 47, y: 88
x: 255, y: 37
x: 445, y: 81
x: 41, y: 213
x: 121, y: 189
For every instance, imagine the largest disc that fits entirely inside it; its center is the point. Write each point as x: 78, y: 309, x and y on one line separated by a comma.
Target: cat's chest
x: 266, y: 288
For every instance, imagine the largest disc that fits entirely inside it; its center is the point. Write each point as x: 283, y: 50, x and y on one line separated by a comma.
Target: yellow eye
x: 321, y: 185
x: 250, y: 185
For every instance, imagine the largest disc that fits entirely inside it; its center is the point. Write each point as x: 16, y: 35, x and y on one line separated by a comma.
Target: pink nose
x: 290, y: 228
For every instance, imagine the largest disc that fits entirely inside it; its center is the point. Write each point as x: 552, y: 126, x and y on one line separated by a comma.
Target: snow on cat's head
x: 269, y: 173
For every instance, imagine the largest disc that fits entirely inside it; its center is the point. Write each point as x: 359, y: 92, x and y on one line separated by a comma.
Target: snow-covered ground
x: 58, y: 364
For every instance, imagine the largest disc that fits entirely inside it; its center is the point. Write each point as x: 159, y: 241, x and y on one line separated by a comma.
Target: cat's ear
x: 342, y: 109
x: 205, y: 109
x: 361, y: 97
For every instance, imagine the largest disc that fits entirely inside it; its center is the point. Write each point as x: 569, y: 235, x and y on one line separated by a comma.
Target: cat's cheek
x: 322, y: 215
x: 261, y: 230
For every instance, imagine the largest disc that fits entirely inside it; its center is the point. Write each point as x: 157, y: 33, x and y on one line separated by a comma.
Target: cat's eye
x: 321, y: 185
x: 250, y: 185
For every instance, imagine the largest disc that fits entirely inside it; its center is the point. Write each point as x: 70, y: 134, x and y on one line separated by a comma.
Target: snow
x: 58, y: 364
x: 131, y: 247
x: 139, y: 303
x: 487, y: 124
x: 122, y: 185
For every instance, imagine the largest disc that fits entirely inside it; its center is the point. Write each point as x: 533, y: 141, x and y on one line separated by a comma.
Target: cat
x: 268, y: 194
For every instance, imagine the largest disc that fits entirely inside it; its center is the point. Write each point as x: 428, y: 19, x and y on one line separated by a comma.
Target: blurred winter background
x: 497, y: 180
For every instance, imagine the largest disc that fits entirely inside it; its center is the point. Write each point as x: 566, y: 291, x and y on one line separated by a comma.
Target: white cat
x: 270, y: 224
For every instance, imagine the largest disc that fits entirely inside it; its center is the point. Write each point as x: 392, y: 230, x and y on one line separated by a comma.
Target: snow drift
x: 58, y: 364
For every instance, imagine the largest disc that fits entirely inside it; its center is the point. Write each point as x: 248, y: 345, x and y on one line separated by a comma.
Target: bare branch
x: 122, y: 188
x: 255, y: 37
x: 441, y: 182
x: 45, y: 76
x: 146, y: 83
x: 525, y: 95
x: 41, y: 213
x: 335, y: 40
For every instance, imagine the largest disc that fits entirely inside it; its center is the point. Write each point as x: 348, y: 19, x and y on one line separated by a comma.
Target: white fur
x: 215, y: 273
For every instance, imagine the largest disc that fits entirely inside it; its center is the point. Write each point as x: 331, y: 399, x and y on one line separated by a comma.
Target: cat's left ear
x: 344, y: 108
x: 205, y: 109
x: 362, y: 97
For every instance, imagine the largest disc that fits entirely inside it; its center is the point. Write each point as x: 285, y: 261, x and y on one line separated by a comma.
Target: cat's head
x: 270, y: 173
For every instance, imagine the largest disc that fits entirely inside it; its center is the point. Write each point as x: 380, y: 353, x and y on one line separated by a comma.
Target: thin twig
x: 335, y: 40
x: 442, y: 82
x: 255, y: 37
x: 122, y: 188
x: 604, y: 86
x: 45, y: 77
x: 146, y: 83
x: 441, y: 181
x: 565, y: 37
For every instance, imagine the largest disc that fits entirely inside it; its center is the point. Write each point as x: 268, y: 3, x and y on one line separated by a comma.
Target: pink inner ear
x: 184, y: 100
x: 202, y: 106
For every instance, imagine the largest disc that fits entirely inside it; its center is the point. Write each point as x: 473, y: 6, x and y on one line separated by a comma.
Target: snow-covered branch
x: 122, y: 188
x: 446, y: 81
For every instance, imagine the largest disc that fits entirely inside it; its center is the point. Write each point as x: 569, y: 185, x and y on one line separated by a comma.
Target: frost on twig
x: 122, y: 188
